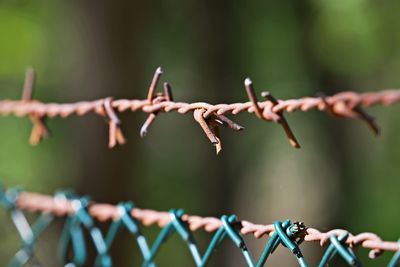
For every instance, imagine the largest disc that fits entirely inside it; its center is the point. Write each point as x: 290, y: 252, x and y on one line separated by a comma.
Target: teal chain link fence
x: 78, y: 217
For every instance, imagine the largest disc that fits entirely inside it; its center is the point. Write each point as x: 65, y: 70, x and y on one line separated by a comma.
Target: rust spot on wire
x: 343, y: 105
x: 35, y: 202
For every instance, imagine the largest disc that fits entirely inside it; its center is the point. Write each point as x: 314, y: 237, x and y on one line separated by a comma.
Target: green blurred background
x: 82, y: 50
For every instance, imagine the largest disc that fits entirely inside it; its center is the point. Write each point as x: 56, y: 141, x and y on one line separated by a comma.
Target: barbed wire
x: 63, y: 205
x: 210, y: 117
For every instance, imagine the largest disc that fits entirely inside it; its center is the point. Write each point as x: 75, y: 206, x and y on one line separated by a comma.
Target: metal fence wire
x: 209, y: 117
x: 80, y: 214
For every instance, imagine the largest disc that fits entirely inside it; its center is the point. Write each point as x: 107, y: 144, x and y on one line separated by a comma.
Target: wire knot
x: 297, y: 231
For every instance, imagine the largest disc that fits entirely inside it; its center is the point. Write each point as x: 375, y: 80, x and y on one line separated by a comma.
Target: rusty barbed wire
x: 60, y: 206
x: 210, y: 117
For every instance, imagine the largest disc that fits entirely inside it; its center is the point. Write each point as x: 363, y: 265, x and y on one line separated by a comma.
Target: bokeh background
x: 82, y: 50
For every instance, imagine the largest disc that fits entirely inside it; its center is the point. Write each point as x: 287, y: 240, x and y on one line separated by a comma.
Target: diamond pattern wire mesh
x: 80, y: 214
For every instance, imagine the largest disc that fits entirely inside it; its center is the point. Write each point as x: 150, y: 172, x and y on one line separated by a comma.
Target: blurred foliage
x: 343, y: 177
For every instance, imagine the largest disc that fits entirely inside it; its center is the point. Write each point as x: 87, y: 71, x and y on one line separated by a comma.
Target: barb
x: 115, y: 133
x: 150, y: 98
x: 35, y: 202
x: 343, y: 105
x: 39, y: 130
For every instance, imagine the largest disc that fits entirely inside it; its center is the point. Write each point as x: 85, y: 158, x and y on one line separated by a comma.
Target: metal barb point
x: 369, y: 120
x: 208, y: 128
x: 213, y: 124
x: 150, y: 119
x: 282, y: 120
x: 39, y: 129
x: 267, y: 95
x: 159, y: 70
x: 28, y: 84
x: 115, y: 133
x: 153, y: 85
x: 168, y: 92
x: 150, y: 97
x: 248, y: 84
x: 341, y: 109
x: 225, y: 121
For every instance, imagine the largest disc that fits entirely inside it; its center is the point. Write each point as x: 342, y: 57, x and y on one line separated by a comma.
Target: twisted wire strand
x: 35, y: 202
x: 342, y: 104
x: 209, y: 116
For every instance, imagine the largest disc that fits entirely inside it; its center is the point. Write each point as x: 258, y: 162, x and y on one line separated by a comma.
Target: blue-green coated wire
x: 216, y: 241
x: 338, y: 246
x: 8, y: 197
x: 182, y: 229
x: 80, y: 206
x: 133, y: 227
x: 346, y: 254
x: 29, y: 234
x: 81, y: 219
x: 26, y: 252
x: 125, y: 220
x: 161, y: 238
x: 177, y: 225
x: 330, y: 252
x: 280, y: 236
x: 268, y: 249
x: 395, y: 261
x: 291, y: 245
x: 72, y: 234
x: 237, y: 239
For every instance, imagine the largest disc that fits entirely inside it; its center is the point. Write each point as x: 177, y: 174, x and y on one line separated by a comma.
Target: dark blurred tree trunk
x: 214, y: 39
x: 111, y: 64
x: 214, y: 52
x: 339, y: 148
